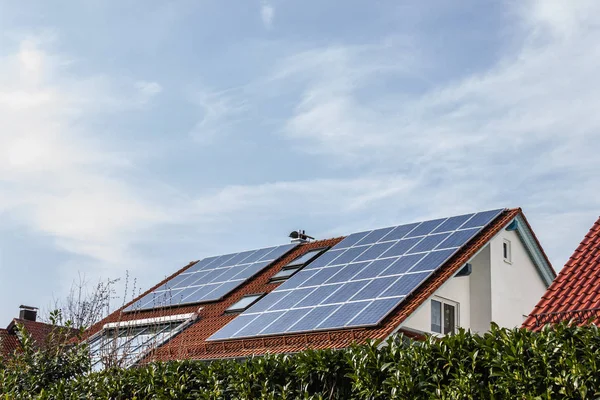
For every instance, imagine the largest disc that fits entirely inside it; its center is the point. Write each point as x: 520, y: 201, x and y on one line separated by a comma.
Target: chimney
x: 28, y: 313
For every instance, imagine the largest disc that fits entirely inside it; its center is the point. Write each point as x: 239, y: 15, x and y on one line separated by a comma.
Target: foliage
x: 558, y: 363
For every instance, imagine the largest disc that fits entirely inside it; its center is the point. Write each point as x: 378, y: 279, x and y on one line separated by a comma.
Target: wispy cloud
x: 516, y: 133
x: 61, y: 182
x: 267, y: 14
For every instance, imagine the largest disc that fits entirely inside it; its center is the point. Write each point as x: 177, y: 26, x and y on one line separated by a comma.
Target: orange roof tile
x: 575, y: 293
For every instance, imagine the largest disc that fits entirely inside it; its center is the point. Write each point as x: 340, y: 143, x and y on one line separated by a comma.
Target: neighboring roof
x: 9, y: 342
x: 191, y: 343
x: 575, y: 293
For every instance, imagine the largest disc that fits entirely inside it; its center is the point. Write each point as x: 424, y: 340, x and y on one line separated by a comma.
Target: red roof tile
x: 39, y: 332
x: 191, y: 343
x: 575, y: 293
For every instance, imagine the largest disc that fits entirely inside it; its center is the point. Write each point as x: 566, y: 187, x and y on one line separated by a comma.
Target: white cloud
x: 62, y: 183
x: 148, y: 89
x: 267, y: 14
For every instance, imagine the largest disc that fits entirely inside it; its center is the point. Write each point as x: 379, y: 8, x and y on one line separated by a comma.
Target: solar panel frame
x: 382, y: 292
x: 210, y: 279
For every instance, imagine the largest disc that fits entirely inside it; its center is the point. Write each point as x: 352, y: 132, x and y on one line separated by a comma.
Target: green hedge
x: 557, y: 363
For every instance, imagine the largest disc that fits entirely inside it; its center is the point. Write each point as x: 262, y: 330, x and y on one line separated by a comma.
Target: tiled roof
x: 39, y: 332
x: 8, y: 343
x: 575, y: 293
x: 191, y: 343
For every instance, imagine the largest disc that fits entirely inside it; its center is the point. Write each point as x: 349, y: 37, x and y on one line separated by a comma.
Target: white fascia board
x: 149, y: 321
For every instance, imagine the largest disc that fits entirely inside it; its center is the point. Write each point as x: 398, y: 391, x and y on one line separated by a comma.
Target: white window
x: 123, y: 344
x: 506, y: 251
x: 243, y: 303
x: 444, y: 316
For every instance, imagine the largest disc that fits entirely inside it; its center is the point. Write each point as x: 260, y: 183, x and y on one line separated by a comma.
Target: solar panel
x: 360, y: 280
x: 211, y: 278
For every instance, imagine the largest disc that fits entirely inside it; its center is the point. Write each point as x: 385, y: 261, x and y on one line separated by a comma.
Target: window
x: 122, y: 344
x: 443, y: 317
x: 297, y: 264
x: 243, y: 303
x: 305, y: 258
x: 506, y: 251
x: 284, y: 274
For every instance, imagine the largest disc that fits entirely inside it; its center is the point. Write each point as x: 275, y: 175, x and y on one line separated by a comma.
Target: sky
x: 138, y: 135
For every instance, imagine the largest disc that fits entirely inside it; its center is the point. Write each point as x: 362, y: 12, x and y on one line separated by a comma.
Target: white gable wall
x: 516, y: 287
x: 495, y: 291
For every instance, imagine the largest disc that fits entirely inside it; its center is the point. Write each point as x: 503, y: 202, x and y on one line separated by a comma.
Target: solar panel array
x: 358, y: 281
x: 211, y: 278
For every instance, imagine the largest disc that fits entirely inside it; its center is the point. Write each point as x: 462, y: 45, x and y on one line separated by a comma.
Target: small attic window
x: 506, y: 251
x: 304, y: 258
x: 243, y: 303
x: 297, y: 264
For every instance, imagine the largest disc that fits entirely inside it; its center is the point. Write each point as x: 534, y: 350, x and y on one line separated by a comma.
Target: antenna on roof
x: 300, y: 236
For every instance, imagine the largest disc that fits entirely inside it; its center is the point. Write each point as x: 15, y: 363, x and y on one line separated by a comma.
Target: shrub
x: 558, y: 363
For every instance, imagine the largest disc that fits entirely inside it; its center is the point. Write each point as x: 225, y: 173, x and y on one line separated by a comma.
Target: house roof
x: 9, y: 342
x: 192, y: 343
x: 575, y: 293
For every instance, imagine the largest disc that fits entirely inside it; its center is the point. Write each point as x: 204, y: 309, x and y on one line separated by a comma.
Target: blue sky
x: 139, y: 135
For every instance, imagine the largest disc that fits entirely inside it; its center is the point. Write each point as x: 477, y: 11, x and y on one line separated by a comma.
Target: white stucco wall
x: 495, y: 291
x: 516, y: 287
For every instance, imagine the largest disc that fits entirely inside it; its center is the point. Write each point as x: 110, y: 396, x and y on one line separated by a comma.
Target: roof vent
x: 300, y: 236
x: 28, y: 313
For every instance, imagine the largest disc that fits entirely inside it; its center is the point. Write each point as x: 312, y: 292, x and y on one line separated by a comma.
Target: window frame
x: 317, y: 252
x: 237, y: 310
x: 292, y: 265
x: 507, y: 251
x: 443, y: 302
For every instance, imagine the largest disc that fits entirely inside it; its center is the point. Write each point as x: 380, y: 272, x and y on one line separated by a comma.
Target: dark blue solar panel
x: 257, y: 325
x: 428, y: 243
x: 399, y: 232
x: 375, y: 268
x: 285, y: 322
x: 349, y: 255
x: 346, y: 292
x: 318, y: 295
x: 324, y: 259
x: 452, y: 223
x: 264, y: 304
x: 458, y: 238
x: 481, y: 219
x: 235, y: 325
x: 313, y: 318
x: 374, y: 251
x: 374, y: 288
x: 374, y: 236
x: 351, y: 240
x: 291, y: 299
x: 320, y: 277
x: 343, y: 315
x: 375, y: 312
x: 403, y: 264
x: 346, y: 273
x: 405, y: 285
x: 211, y: 278
x: 433, y: 260
x: 400, y: 247
x: 425, y: 228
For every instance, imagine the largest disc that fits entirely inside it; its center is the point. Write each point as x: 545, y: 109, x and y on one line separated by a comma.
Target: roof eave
x: 534, y: 249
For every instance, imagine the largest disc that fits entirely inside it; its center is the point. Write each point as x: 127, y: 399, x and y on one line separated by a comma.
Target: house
x: 429, y: 277
x: 39, y: 331
x: 575, y: 294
